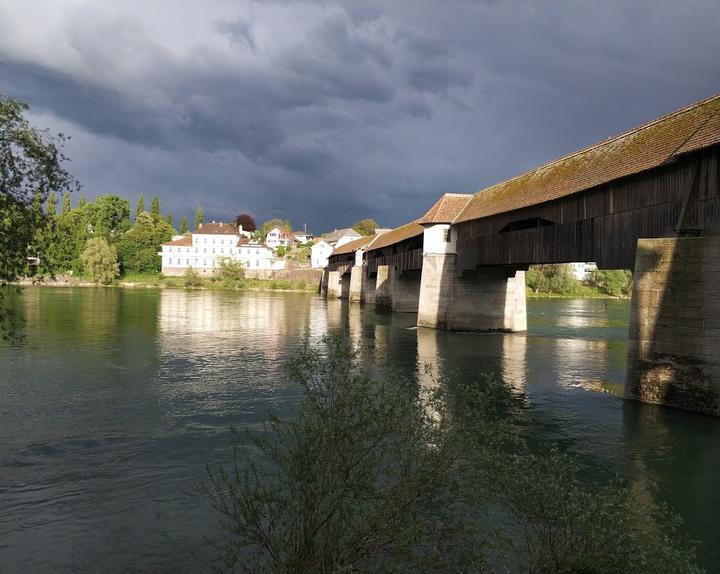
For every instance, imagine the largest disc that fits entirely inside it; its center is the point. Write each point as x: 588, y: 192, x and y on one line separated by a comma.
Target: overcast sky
x: 326, y: 112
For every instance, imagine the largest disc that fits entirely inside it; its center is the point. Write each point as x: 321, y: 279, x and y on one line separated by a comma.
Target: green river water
x: 116, y: 400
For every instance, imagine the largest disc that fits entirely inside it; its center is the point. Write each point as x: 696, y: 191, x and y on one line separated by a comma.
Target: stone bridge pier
x: 488, y: 298
x: 362, y: 286
x: 338, y: 284
x: 397, y: 290
x: 674, y: 338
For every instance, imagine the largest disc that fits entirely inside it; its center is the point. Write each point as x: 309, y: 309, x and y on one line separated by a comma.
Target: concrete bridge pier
x: 397, y: 291
x: 362, y: 287
x: 338, y: 285
x: 484, y: 299
x: 488, y: 298
x: 356, y: 281
x: 674, y: 336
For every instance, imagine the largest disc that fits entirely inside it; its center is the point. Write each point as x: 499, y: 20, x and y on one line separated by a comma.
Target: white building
x: 319, y: 254
x: 582, y: 271
x: 341, y: 237
x: 278, y: 236
x: 204, y: 250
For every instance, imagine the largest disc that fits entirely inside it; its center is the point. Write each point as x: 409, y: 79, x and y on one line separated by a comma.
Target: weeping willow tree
x: 31, y: 168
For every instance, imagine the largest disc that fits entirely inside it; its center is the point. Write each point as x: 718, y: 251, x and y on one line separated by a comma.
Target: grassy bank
x: 159, y: 281
x: 579, y: 292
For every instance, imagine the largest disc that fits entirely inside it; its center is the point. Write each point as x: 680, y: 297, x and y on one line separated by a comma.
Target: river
x: 116, y: 400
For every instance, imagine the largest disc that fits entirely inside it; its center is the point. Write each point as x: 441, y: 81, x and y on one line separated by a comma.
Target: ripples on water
x: 117, y: 400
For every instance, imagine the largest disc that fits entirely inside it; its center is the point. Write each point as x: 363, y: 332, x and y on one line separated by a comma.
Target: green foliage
x: 300, y: 254
x: 377, y: 476
x: 52, y: 201
x: 140, y: 206
x: 551, y: 279
x: 231, y: 269
x: 169, y: 219
x: 614, y: 282
x: 107, y: 215
x: 67, y: 203
x: 183, y: 224
x: 155, y: 207
x: 100, y: 261
x: 199, y: 217
x: 138, y: 248
x: 365, y: 226
x: 281, y: 251
x: 31, y: 167
x: 192, y: 278
x: 351, y: 484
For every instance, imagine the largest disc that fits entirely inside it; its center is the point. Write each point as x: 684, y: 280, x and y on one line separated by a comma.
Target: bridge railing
x: 406, y: 261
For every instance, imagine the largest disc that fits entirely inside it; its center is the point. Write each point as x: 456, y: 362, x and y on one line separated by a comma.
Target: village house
x: 319, y: 254
x: 204, y: 249
x: 280, y: 236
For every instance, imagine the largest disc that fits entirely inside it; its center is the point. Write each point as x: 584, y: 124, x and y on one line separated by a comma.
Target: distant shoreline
x: 158, y: 282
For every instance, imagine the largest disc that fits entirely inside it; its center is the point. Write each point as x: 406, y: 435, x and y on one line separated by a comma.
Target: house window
x: 448, y: 235
x: 187, y: 262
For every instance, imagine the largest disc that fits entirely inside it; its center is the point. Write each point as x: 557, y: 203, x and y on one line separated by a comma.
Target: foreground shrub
x: 375, y: 476
x: 191, y: 278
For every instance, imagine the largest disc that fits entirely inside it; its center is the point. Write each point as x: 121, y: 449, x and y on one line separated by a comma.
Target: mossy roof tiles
x: 646, y: 147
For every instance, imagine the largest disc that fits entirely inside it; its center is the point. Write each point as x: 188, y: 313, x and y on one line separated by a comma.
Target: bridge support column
x: 486, y: 299
x: 334, y: 289
x: 356, y: 281
x: 383, y: 288
x: 324, y: 282
x: 674, y: 337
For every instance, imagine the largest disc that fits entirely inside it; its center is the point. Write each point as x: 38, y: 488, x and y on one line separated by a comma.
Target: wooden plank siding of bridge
x: 657, y: 180
x: 601, y: 224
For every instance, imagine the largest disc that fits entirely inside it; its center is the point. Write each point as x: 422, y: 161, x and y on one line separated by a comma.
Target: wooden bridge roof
x: 353, y: 245
x: 407, y: 231
x: 640, y: 149
x: 446, y: 209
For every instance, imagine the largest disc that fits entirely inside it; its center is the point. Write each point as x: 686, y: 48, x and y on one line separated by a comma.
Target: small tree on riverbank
x: 375, y: 476
x: 100, y: 261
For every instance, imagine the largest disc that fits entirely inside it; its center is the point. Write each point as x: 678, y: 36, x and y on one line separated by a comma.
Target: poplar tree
x: 67, y: 203
x: 184, y: 224
x: 155, y: 208
x: 199, y: 217
x: 169, y: 219
x: 52, y: 204
x: 140, y: 206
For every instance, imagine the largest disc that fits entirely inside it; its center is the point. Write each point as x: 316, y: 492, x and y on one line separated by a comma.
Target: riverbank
x: 159, y: 281
x: 585, y: 293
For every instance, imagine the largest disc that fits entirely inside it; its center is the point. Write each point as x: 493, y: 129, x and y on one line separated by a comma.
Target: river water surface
x: 117, y: 399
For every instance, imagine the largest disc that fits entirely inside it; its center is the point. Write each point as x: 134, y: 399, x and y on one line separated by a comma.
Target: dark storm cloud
x: 326, y: 112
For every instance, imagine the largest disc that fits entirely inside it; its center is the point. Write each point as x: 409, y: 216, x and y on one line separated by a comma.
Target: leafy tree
x: 107, y: 215
x: 281, y: 251
x: 184, y: 224
x: 139, y: 246
x: 365, y: 226
x: 82, y: 202
x: 67, y: 203
x: 30, y: 169
x: 614, y: 282
x: 155, y: 207
x: 551, y: 279
x: 199, y: 217
x: 100, y: 261
x: 52, y: 202
x: 169, y: 219
x: 140, y: 207
x: 247, y: 222
x: 375, y: 476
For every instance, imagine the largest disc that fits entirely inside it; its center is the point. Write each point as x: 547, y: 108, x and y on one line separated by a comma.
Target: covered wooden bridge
x: 647, y: 200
